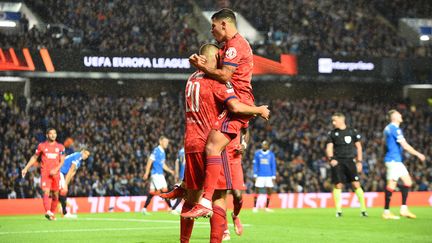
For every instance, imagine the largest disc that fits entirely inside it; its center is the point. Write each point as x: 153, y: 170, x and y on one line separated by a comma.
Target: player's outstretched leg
x: 177, y: 192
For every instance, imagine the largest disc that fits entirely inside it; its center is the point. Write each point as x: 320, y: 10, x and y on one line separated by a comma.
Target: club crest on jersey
x: 231, y: 53
x: 57, y: 150
x: 347, y: 139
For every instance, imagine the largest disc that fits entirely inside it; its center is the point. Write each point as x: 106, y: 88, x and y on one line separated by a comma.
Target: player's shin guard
x: 360, y: 195
x: 388, y: 195
x: 217, y: 224
x: 404, y: 190
x: 213, y: 170
x: 337, y: 199
x: 63, y: 203
x: 238, y: 203
x: 46, y: 202
x: 186, y: 225
x: 54, y: 203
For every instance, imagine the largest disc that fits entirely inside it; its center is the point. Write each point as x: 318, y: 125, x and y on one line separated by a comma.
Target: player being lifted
x: 395, y: 144
x: 52, y: 157
x: 344, y: 151
x: 71, y: 164
x: 204, y: 101
x: 236, y: 62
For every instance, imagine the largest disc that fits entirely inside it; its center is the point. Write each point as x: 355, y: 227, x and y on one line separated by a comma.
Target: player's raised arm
x: 222, y: 75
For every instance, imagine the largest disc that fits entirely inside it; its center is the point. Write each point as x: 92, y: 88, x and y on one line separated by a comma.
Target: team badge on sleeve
x: 231, y: 53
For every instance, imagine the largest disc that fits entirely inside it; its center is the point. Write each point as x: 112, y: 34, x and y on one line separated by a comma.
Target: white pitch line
x: 148, y: 221
x: 89, y: 230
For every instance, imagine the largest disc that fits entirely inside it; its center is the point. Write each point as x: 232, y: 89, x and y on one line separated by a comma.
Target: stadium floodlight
x: 424, y: 38
x: 7, y: 23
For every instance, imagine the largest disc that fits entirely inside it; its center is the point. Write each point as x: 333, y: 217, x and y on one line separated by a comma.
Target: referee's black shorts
x: 345, y: 171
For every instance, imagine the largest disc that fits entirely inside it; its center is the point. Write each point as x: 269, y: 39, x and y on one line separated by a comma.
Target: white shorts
x: 62, y: 182
x: 157, y: 182
x: 395, y: 170
x: 264, y: 181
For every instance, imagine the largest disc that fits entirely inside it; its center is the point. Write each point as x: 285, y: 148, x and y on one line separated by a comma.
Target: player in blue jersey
x: 395, y: 144
x: 71, y: 163
x: 156, y: 166
x: 264, y: 168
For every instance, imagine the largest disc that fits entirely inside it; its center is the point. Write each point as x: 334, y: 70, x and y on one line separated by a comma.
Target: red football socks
x: 46, y: 202
x: 213, y: 170
x: 54, y: 203
x: 217, y: 224
x: 186, y: 225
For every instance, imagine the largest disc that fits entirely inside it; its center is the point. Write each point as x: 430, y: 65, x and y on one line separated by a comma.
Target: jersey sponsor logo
x: 264, y: 161
x: 347, y: 139
x: 231, y: 53
x: 51, y: 155
x: 222, y: 115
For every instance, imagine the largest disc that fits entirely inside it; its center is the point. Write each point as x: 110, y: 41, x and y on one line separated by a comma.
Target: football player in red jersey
x: 205, y: 99
x: 236, y: 62
x: 52, y: 156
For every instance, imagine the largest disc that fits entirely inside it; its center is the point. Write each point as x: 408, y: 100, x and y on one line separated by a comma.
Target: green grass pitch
x: 283, y: 225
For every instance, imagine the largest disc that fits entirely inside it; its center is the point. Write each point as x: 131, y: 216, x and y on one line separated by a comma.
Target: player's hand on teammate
x: 239, y: 149
x: 265, y: 112
x: 198, y: 61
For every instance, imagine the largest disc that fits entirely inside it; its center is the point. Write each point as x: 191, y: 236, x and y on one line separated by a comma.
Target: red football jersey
x: 205, y: 99
x: 237, y: 53
x: 50, y: 154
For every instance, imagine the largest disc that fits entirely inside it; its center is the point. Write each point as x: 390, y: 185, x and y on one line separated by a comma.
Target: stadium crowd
x: 121, y: 133
x: 337, y: 27
x: 119, y: 26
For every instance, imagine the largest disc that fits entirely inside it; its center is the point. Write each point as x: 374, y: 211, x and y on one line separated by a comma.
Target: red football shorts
x: 51, y: 183
x: 231, y: 124
x: 194, y: 173
x: 231, y: 176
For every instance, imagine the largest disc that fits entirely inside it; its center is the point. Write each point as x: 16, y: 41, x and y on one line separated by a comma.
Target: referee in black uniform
x: 344, y: 151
